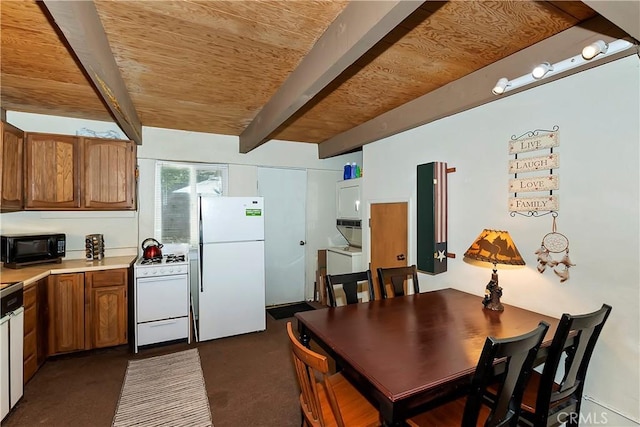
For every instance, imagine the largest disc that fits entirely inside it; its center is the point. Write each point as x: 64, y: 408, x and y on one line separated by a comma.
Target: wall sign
x: 537, y: 170
x: 549, y: 140
x: 526, y: 204
x: 529, y: 164
x: 538, y: 183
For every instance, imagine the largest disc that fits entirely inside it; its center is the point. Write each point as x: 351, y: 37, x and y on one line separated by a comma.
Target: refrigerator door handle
x: 200, y: 267
x: 200, y: 245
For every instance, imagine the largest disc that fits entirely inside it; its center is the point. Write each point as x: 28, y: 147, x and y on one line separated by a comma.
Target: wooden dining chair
x: 518, y: 355
x: 395, y: 278
x: 349, y: 284
x: 547, y: 403
x: 327, y: 400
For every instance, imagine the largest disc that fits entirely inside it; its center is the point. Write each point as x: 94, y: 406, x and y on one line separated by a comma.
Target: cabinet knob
x: 302, y: 242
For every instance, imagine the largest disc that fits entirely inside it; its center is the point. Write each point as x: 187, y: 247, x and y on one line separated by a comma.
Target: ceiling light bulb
x: 500, y: 86
x: 594, y: 49
x: 542, y: 69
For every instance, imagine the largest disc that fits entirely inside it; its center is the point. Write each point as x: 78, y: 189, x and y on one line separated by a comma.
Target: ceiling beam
x: 625, y: 14
x: 80, y: 24
x: 475, y: 89
x: 358, y: 28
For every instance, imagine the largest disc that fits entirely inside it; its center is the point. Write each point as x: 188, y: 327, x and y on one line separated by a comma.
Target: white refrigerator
x: 231, y: 292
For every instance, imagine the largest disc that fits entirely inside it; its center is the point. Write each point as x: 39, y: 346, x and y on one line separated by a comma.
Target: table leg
x: 387, y: 415
x: 304, y: 337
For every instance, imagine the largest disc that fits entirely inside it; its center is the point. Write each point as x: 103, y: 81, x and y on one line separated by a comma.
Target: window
x: 178, y: 186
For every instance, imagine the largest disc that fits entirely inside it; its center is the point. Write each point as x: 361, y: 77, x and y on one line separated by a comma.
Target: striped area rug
x: 166, y: 390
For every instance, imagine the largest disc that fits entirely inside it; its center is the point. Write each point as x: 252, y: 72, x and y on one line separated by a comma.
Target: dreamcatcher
x: 554, y: 243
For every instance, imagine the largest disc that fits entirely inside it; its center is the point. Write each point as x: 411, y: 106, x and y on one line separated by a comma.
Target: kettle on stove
x: 151, y: 248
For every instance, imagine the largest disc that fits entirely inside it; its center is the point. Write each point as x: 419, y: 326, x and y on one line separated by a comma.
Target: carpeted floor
x: 249, y: 380
x: 286, y: 311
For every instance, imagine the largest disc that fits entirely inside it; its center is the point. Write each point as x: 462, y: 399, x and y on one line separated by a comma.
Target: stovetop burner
x: 166, y: 259
x: 175, y: 258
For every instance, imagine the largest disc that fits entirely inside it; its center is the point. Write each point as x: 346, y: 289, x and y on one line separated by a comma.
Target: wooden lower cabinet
x: 66, y: 313
x: 35, y: 328
x: 30, y: 349
x: 106, y: 308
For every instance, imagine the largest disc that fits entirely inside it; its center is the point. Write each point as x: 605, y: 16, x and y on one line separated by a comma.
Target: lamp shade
x: 496, y: 247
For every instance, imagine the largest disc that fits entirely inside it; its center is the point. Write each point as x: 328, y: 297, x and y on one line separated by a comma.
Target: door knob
x: 400, y: 257
x: 302, y: 242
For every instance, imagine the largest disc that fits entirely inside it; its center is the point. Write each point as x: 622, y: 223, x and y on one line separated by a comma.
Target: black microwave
x: 19, y: 250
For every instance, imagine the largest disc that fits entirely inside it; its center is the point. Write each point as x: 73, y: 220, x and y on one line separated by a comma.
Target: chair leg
x: 574, y: 416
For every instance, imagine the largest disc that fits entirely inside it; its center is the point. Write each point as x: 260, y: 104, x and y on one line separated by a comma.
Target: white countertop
x: 346, y: 250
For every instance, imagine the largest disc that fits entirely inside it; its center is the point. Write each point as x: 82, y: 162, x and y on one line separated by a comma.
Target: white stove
x: 162, y: 299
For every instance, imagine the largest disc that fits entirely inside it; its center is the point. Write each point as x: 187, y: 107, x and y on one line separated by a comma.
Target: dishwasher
x: 11, y: 341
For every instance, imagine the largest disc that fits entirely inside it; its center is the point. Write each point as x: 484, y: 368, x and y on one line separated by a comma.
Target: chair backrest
x: 349, y: 284
x: 312, y: 371
x: 518, y: 354
x: 396, y: 276
x: 576, y: 336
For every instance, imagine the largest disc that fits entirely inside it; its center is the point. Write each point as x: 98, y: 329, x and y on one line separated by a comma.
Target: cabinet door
x: 30, y: 347
x: 52, y: 171
x: 109, y: 167
x: 108, y: 316
x: 106, y: 309
x: 66, y: 313
x: 348, y: 199
x: 11, y: 159
x: 42, y: 326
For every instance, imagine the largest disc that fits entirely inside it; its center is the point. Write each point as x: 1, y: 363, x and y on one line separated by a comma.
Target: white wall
x: 598, y: 113
x: 123, y: 231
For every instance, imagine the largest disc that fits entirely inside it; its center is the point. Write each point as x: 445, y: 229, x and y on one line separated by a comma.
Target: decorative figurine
x: 492, y: 296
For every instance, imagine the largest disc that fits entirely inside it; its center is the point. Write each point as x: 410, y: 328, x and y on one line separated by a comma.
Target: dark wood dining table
x: 407, y: 353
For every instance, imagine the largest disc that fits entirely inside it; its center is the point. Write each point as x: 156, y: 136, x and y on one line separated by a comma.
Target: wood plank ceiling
x: 213, y: 66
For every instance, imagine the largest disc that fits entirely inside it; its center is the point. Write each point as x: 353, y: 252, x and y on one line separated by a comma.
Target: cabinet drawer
x: 163, y: 330
x: 96, y: 279
x: 29, y: 296
x: 30, y: 368
x: 29, y: 349
x: 30, y: 319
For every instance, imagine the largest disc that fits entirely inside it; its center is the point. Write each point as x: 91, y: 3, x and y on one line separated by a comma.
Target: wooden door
x: 66, y: 312
x: 388, y: 238
x: 11, y: 159
x: 109, y: 173
x: 106, y: 308
x: 52, y: 171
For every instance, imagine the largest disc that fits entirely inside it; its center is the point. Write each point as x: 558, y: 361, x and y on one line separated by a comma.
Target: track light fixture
x: 589, y: 52
x: 541, y: 70
x: 500, y: 86
x: 598, y: 49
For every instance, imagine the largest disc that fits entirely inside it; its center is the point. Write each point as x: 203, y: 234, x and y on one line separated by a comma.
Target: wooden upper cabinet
x: 11, y: 162
x: 109, y: 174
x: 53, y: 172
x: 66, y: 172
